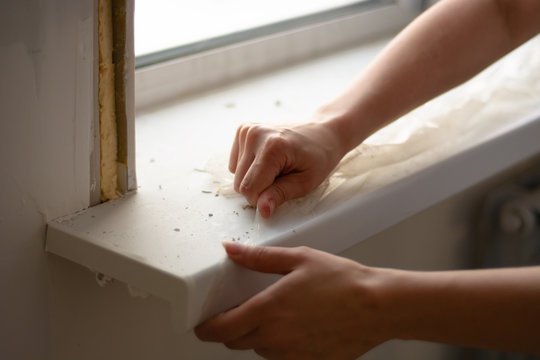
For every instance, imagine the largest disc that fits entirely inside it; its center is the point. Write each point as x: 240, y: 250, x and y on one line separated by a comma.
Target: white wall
x: 45, y: 66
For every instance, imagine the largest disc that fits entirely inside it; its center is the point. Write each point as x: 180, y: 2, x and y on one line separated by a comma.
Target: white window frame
x: 217, y: 66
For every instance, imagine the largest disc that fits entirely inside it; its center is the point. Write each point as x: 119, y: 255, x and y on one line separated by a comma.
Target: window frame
x: 192, y: 68
x: 161, y: 56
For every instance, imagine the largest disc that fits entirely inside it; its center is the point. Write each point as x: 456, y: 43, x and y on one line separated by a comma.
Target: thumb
x: 284, y: 188
x: 276, y: 260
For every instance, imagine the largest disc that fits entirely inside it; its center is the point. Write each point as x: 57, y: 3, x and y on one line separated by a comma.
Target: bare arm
x: 496, y: 308
x: 447, y: 45
x: 444, y: 47
x: 327, y: 307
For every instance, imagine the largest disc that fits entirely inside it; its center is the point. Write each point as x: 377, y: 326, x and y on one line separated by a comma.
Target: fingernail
x: 265, y: 209
x: 233, y: 248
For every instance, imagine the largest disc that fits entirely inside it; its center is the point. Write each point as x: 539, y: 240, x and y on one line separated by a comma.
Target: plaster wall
x: 46, y: 103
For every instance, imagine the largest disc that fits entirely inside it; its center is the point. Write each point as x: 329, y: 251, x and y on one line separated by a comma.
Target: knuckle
x: 303, y: 253
x: 274, y: 143
x: 246, y: 190
x: 241, y: 131
x: 253, y: 131
x: 258, y: 255
x: 244, y: 187
x: 237, y: 182
x: 280, y: 193
x: 247, y: 131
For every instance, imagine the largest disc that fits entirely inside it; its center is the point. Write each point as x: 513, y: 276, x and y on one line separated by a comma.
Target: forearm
x: 444, y: 47
x: 496, y: 309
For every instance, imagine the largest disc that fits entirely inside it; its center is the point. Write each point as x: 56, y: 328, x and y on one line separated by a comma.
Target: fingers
x: 284, y: 188
x: 248, y: 341
x: 240, y: 321
x: 231, y: 325
x: 275, y: 260
x: 261, y: 174
x: 276, y: 164
x: 243, y: 153
x: 258, y: 157
x: 242, y: 167
x: 233, y: 157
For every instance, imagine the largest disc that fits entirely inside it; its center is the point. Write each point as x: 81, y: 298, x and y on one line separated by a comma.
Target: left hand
x: 325, y: 307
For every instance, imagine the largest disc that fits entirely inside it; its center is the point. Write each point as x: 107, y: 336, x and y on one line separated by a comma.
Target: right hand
x: 274, y: 164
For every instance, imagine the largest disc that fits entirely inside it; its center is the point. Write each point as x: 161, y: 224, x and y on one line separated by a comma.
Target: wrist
x: 377, y: 303
x: 350, y: 124
x: 341, y: 126
x: 389, y: 288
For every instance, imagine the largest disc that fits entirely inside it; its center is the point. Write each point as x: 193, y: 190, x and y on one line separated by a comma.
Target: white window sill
x: 166, y: 238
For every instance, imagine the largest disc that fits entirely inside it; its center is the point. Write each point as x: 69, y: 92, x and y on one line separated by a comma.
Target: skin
x: 353, y: 308
x: 328, y: 307
x: 444, y: 47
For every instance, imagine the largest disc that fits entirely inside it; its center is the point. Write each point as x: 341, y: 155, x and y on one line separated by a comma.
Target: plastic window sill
x: 166, y: 237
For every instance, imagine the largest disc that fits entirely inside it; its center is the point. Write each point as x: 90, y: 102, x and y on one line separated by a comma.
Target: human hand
x: 275, y: 164
x: 325, y: 307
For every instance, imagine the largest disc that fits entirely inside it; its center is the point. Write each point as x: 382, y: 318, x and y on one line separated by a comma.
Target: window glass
x: 165, y: 24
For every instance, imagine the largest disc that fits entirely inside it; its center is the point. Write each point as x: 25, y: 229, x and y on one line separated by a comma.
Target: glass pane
x: 164, y: 24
